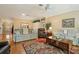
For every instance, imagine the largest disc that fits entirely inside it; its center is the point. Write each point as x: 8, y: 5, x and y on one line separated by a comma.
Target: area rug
x: 41, y: 48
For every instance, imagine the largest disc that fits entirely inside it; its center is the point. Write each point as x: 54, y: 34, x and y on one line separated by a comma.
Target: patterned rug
x: 41, y: 48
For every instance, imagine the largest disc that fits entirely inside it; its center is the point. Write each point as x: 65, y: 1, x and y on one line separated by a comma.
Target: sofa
x: 4, y: 47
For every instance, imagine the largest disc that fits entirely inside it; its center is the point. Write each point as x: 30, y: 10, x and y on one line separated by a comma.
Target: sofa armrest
x: 5, y: 49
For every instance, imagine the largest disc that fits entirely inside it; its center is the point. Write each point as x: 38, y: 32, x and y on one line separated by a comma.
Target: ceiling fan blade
x: 45, y: 7
x: 40, y: 4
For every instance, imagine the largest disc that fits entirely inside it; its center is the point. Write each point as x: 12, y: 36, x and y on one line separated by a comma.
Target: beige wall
x: 57, y: 20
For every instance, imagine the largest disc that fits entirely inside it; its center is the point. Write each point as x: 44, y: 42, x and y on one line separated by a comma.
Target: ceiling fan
x: 46, y: 6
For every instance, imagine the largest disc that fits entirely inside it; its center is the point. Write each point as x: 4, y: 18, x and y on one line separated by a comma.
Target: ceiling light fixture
x: 23, y: 14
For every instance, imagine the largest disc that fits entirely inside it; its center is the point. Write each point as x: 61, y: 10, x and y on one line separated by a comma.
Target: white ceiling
x: 57, y: 9
x: 32, y: 11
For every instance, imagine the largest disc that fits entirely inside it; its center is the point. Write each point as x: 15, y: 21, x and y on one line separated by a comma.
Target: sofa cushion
x: 2, y: 44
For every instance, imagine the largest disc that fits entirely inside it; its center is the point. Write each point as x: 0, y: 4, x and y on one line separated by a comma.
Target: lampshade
x: 50, y: 28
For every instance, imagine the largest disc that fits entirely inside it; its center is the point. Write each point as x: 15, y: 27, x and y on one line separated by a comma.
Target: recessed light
x: 23, y: 14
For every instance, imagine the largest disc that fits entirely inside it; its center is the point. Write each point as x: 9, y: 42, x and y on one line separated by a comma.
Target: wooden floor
x: 19, y: 49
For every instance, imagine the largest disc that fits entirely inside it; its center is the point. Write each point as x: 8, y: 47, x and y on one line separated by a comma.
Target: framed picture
x: 68, y: 23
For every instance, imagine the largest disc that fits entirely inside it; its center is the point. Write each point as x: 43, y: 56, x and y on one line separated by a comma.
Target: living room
x: 39, y: 29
